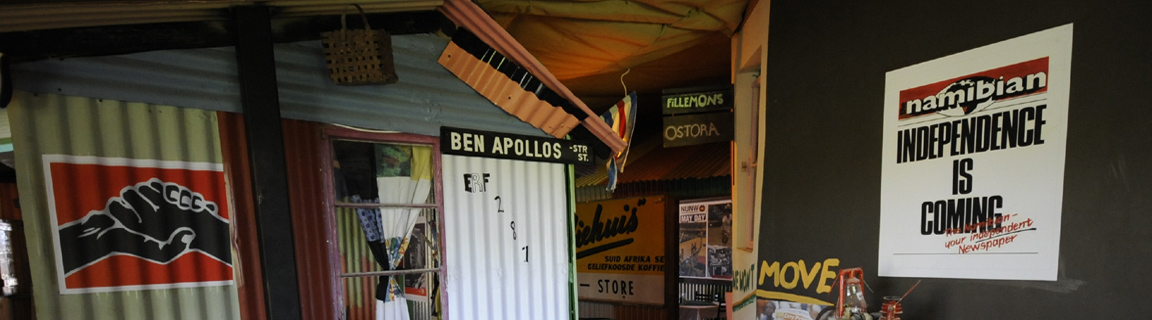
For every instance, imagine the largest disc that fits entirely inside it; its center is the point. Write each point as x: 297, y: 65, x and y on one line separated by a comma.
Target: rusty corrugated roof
x: 505, y: 93
x: 649, y: 161
x: 469, y: 16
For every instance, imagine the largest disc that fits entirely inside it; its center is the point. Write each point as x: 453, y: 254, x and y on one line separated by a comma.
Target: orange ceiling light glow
x: 587, y: 45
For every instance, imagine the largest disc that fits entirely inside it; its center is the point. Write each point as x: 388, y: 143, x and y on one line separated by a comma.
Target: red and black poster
x: 132, y: 224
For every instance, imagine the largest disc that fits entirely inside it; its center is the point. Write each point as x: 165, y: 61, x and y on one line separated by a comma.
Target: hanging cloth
x: 622, y: 118
x: 403, y: 176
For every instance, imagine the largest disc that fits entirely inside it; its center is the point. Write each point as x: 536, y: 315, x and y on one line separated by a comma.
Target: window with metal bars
x: 385, y: 203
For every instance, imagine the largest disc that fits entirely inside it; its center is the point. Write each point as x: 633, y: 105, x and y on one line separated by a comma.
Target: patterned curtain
x: 403, y: 176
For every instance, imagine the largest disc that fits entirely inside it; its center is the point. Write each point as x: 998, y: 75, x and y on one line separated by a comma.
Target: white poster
x: 973, y: 162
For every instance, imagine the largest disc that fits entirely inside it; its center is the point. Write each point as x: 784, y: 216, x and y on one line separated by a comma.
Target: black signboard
x: 487, y: 144
x: 690, y: 129
x: 697, y: 101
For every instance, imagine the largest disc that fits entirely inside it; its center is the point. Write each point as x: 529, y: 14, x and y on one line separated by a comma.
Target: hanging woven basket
x: 359, y: 57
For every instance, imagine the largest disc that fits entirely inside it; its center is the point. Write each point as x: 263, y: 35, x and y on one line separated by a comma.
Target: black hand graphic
x: 157, y: 209
x: 153, y: 220
x: 95, y: 238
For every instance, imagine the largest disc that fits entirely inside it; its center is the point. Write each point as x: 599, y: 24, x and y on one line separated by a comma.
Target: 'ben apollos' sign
x: 513, y: 146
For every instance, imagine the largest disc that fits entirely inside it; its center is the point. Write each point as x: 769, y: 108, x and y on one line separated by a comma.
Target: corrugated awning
x: 551, y: 104
x: 649, y: 161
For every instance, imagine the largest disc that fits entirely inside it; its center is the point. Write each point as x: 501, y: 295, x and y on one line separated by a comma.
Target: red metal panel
x: 310, y: 226
x: 234, y: 150
x: 8, y: 198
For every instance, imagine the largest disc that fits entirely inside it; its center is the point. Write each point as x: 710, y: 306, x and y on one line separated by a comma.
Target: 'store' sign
x: 620, y: 250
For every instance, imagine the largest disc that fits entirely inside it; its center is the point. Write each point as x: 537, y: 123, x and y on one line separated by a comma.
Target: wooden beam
x: 28, y: 46
x: 262, y: 125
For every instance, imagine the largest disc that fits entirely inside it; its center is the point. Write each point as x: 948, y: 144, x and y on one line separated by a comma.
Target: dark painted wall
x: 825, y: 87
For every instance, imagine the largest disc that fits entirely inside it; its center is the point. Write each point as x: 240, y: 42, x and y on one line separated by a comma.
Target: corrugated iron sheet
x: 359, y: 293
x: 649, y: 161
x: 468, y: 15
x: 640, y: 147
x: 589, y: 309
x: 592, y: 309
x: 426, y: 97
x: 699, y: 161
x: 234, y: 148
x: 54, y: 124
x: 641, y: 313
x: 310, y: 227
x: 5, y: 127
x: 310, y: 237
x: 507, y: 94
x: 488, y: 277
x: 682, y: 188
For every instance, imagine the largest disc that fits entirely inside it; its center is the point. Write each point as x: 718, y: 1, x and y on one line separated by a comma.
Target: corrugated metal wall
x: 53, y: 124
x: 488, y: 277
x: 309, y: 222
x: 426, y: 96
x: 601, y: 310
x: 682, y: 188
x: 250, y: 282
x: 359, y: 293
x: 316, y: 277
x: 630, y: 312
x: 589, y: 309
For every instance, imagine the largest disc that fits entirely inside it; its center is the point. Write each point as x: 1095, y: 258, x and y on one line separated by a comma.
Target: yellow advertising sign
x: 620, y: 250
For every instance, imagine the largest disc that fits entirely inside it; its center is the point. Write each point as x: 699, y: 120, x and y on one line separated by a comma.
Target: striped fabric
x: 622, y: 118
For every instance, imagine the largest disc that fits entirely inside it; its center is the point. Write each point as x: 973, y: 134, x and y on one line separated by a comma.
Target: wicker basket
x: 359, y: 57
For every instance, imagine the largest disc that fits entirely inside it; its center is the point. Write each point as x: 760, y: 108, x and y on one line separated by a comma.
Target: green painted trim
x: 573, y: 300
x: 747, y: 301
